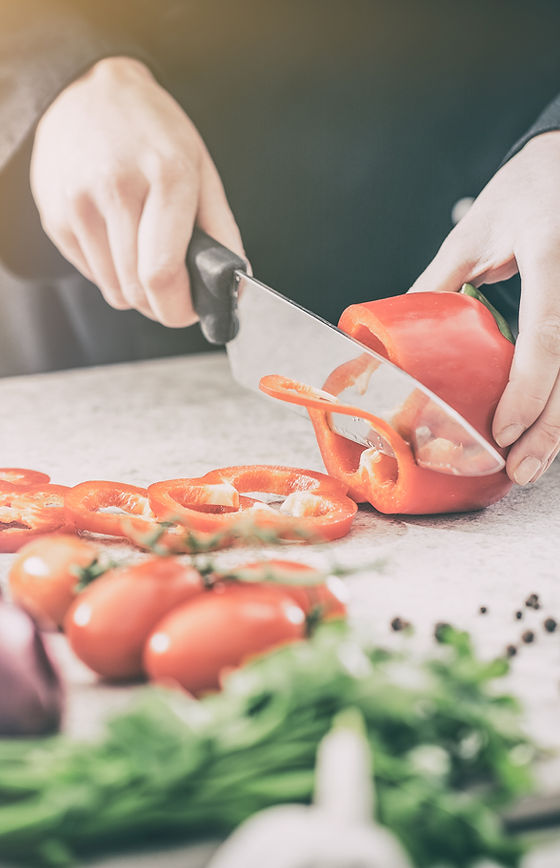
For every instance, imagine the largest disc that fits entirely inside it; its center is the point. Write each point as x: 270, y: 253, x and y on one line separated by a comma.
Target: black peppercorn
x: 483, y: 610
x: 519, y: 614
x: 528, y: 636
x: 533, y: 602
x: 511, y: 651
x: 400, y: 624
x: 550, y: 625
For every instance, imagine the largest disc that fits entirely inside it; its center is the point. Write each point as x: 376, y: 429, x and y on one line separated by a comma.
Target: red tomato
x: 109, y: 622
x: 43, y: 577
x: 194, y: 644
x: 328, y: 597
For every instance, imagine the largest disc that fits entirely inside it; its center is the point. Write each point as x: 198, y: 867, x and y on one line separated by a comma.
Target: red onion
x: 30, y: 688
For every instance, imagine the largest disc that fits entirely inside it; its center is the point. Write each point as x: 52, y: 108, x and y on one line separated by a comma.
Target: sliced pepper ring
x: 365, y: 466
x: 85, y: 501
x: 21, y: 478
x: 135, y: 521
x: 316, y: 506
x: 27, y: 514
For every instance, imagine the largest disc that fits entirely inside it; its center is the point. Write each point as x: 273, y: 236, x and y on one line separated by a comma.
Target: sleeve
x: 546, y: 122
x: 44, y: 45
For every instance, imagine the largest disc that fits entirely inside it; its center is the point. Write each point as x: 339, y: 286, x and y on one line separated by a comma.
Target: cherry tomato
x: 196, y: 643
x: 43, y: 578
x: 108, y: 624
x: 327, y: 598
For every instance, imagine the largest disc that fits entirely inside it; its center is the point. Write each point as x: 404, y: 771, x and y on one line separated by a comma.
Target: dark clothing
x: 344, y: 132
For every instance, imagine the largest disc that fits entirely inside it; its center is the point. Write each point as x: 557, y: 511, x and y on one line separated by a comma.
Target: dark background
x: 344, y: 133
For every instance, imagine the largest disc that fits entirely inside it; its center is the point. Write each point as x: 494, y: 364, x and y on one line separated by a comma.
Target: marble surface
x: 153, y: 420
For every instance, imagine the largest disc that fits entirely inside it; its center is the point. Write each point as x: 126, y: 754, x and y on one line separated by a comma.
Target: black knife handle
x: 212, y: 268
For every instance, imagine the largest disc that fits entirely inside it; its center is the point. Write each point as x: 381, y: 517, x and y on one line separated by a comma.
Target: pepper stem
x: 501, y: 322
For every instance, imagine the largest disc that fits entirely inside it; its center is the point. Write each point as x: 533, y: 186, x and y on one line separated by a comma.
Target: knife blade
x: 267, y: 333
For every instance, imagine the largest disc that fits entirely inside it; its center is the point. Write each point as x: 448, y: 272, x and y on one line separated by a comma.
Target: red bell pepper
x: 87, y: 508
x: 131, y: 509
x: 26, y: 514
x: 450, y: 343
x: 315, y: 505
x: 21, y: 478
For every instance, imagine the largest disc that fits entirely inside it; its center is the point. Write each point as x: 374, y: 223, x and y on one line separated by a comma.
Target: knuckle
x: 160, y: 278
x: 549, y: 432
x: 114, y: 298
x: 167, y: 171
x: 548, y: 335
x: 118, y: 185
x: 538, y: 240
x: 81, y: 204
x: 134, y: 293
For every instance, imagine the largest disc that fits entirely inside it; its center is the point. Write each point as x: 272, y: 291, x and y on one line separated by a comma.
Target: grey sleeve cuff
x: 546, y: 122
x: 44, y: 45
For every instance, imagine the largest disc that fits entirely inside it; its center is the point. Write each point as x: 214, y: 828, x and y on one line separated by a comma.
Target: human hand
x: 119, y: 175
x: 514, y: 225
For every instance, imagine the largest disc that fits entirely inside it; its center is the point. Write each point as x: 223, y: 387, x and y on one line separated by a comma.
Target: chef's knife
x: 266, y: 333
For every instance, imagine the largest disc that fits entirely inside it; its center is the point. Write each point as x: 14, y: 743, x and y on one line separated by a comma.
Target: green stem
x: 501, y: 322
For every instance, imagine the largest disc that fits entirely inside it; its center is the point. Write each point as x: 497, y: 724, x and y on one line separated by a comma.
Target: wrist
x: 544, y: 140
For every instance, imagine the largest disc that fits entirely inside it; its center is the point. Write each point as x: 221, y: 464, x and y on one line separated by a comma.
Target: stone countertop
x: 153, y: 420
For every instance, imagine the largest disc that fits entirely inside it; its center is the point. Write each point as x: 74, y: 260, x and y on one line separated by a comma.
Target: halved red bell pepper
x: 315, y: 505
x: 21, y: 478
x: 451, y: 344
x: 27, y: 514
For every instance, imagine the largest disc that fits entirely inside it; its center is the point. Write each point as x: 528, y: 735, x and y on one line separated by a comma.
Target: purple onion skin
x: 31, y: 693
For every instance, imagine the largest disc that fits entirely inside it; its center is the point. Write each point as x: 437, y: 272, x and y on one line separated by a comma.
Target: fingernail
x: 525, y: 471
x: 509, y: 435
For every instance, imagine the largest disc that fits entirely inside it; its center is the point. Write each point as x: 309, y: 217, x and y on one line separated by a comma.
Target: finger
x: 69, y: 246
x: 214, y: 214
x: 91, y: 232
x: 536, y: 361
x: 453, y: 265
x: 123, y: 221
x: 534, y: 452
x: 164, y: 232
